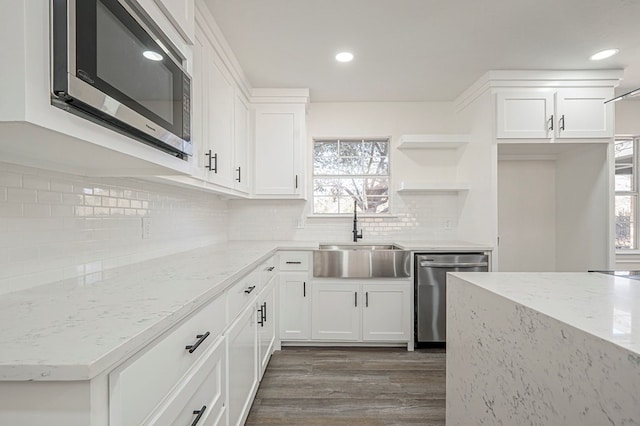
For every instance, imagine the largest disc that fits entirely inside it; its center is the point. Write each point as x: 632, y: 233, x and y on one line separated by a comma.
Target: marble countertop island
x: 543, y: 348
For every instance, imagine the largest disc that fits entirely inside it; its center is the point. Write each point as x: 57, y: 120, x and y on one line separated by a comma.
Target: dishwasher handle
x: 453, y: 264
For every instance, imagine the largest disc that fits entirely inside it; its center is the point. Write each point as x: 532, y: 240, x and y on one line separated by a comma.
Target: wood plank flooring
x: 352, y: 386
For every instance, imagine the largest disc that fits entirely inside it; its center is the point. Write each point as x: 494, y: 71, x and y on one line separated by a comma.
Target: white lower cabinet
x: 242, y: 365
x: 200, y: 399
x: 266, y: 325
x: 136, y: 388
x: 295, y: 294
x: 386, y: 313
x: 346, y: 310
x: 335, y: 313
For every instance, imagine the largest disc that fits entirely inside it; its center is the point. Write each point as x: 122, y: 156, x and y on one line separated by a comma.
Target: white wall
x: 55, y: 226
x: 527, y: 215
x: 628, y: 117
x: 584, y: 209
x: 415, y: 216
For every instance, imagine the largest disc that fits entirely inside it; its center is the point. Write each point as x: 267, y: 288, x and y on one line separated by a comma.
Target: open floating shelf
x: 432, y: 141
x: 407, y: 187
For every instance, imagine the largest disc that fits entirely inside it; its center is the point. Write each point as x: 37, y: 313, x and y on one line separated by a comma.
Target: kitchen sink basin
x: 361, y: 261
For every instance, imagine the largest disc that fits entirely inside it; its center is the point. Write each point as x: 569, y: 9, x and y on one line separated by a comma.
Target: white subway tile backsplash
x: 20, y: 195
x: 55, y: 225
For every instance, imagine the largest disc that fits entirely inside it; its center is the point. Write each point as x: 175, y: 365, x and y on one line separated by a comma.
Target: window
x: 350, y: 170
x: 626, y: 198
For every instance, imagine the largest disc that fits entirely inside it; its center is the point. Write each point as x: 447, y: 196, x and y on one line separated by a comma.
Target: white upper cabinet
x: 242, y: 174
x: 181, y: 14
x: 562, y: 113
x: 221, y: 117
x: 279, y: 150
x: 219, y: 136
x: 582, y: 113
x: 527, y: 114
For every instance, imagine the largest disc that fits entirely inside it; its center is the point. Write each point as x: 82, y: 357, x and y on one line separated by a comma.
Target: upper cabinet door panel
x: 277, y: 138
x: 524, y: 115
x: 181, y: 14
x: 583, y: 114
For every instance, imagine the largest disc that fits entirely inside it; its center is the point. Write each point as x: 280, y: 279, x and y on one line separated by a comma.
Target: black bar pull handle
x: 304, y: 289
x: 551, y: 122
x: 562, y: 122
x: 366, y: 299
x: 296, y: 181
x: 356, y: 295
x: 250, y: 289
x: 199, y: 412
x: 264, y: 312
x: 215, y: 163
x: 200, y: 338
x: 239, y: 178
x: 261, y: 319
x: 208, y: 165
x: 271, y: 268
x: 290, y: 262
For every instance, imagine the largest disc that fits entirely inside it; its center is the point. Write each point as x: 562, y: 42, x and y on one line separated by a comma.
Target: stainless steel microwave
x: 110, y: 66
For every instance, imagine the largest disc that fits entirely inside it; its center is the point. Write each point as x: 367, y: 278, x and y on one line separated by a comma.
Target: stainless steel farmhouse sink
x: 361, y: 261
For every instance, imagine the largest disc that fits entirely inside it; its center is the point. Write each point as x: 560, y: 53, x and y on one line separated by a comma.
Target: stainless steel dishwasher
x: 430, y: 290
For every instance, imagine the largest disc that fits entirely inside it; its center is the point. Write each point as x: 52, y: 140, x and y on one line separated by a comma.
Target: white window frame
x: 634, y: 193
x: 314, y: 176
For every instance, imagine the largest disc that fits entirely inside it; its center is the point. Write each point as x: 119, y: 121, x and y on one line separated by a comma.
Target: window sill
x: 350, y: 216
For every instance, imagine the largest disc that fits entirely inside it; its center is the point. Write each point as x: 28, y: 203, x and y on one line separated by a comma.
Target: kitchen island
x: 543, y: 349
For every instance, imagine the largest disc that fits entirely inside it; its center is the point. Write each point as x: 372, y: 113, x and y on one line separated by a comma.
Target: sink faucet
x: 356, y: 235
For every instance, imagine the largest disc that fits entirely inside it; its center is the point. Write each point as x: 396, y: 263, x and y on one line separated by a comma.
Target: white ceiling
x: 422, y: 50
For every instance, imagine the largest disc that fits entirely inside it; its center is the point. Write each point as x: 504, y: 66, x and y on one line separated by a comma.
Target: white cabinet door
x: 241, y: 119
x: 582, y: 113
x: 181, y: 15
x: 294, y: 313
x: 335, y: 311
x: 200, y: 106
x: 242, y: 365
x: 221, y: 98
x: 266, y: 326
x: 279, y: 139
x: 386, y: 315
x: 527, y: 114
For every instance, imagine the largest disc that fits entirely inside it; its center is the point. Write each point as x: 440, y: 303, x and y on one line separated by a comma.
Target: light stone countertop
x: 76, y: 329
x: 602, y: 305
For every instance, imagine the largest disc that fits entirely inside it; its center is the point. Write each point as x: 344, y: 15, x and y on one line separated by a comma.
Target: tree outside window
x: 348, y: 170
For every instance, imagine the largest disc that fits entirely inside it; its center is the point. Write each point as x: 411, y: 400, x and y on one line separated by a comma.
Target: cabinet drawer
x: 202, y: 393
x: 241, y: 293
x: 137, y: 387
x: 294, y: 261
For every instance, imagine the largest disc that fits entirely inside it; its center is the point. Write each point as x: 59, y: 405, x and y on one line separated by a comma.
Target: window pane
x: 624, y: 165
x: 625, y: 206
x: 352, y: 166
x: 326, y: 187
x: 325, y: 158
x: 367, y: 161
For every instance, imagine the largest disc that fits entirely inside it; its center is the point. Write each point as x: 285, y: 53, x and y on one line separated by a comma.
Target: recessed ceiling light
x: 151, y: 55
x: 344, y: 57
x: 603, y: 55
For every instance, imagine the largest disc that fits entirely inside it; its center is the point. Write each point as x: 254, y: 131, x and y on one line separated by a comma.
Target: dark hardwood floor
x: 352, y: 386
